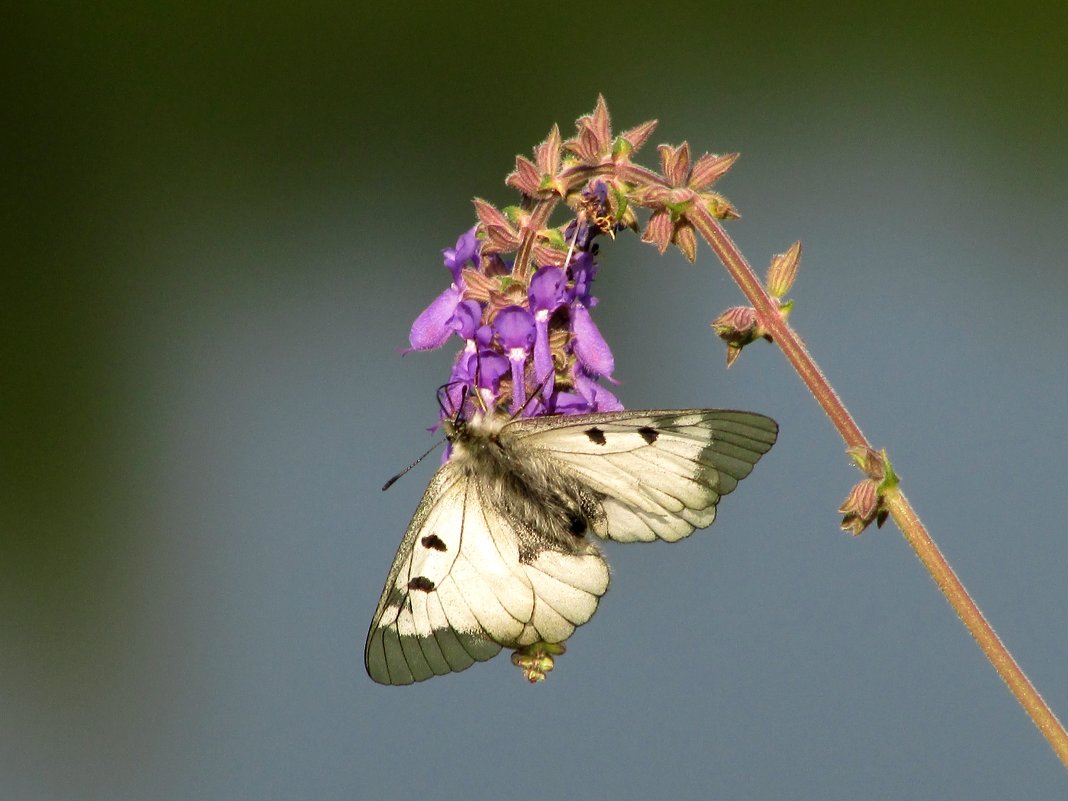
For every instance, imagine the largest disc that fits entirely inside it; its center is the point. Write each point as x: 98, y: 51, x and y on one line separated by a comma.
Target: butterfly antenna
x: 478, y: 383
x: 442, y: 396
x: 571, y: 246
x: 447, y: 409
x: 530, y: 397
x: 393, y: 480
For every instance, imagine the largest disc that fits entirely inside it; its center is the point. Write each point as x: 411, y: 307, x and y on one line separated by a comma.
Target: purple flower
x: 583, y: 270
x: 431, y: 328
x: 481, y: 370
x: 598, y: 398
x: 548, y: 292
x: 597, y: 191
x: 516, y: 333
x: 434, y: 325
x: 590, y: 347
x: 597, y: 217
x: 570, y: 403
x: 466, y: 250
x: 467, y: 319
x: 526, y: 327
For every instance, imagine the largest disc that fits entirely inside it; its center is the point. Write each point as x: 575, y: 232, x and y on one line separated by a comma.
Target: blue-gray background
x: 219, y: 225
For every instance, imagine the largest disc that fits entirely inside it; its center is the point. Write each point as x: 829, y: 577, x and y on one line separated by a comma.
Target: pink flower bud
x: 861, y: 506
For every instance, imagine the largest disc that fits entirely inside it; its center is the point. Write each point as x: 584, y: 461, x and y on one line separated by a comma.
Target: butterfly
x: 501, y: 550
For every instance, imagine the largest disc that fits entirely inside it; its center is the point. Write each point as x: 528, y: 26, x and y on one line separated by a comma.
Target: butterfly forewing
x: 425, y: 624
x: 661, y: 472
x: 497, y: 554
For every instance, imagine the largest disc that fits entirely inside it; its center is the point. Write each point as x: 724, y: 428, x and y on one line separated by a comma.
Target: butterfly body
x: 548, y: 508
x: 501, y: 550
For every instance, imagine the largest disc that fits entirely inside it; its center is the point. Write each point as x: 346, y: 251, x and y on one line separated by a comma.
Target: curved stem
x: 900, y: 509
x: 1011, y: 673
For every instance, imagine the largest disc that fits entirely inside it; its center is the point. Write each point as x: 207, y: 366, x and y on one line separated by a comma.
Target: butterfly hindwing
x: 661, y: 473
x: 563, y: 587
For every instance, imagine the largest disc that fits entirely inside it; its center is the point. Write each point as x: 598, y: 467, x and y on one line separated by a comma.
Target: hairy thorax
x: 546, y: 505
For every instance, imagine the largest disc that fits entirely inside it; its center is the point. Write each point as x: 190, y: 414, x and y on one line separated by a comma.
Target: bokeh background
x: 219, y: 224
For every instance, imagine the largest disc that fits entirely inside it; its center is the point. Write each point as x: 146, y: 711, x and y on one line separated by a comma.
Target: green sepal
x: 890, y: 479
x: 555, y: 238
x: 620, y: 199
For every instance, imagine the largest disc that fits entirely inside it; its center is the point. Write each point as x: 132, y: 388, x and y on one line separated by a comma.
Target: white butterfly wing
x: 471, y: 577
x: 458, y: 590
x: 661, y: 472
x: 414, y: 636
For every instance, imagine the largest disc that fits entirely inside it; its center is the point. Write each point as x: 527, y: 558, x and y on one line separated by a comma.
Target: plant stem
x: 900, y: 509
x: 1011, y: 673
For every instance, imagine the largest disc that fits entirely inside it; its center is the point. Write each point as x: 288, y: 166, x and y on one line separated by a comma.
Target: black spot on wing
x: 650, y: 435
x: 596, y: 435
x: 433, y: 541
x: 421, y: 583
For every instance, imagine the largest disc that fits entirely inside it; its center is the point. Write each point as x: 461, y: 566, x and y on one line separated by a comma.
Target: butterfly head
x: 479, y: 428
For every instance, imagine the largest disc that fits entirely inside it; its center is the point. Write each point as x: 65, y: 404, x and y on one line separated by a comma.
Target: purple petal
x: 599, y: 398
x: 492, y: 368
x: 514, y: 327
x: 519, y: 389
x: 466, y: 250
x: 431, y: 328
x: 460, y: 385
x: 583, y: 271
x: 548, y: 289
x: 466, y: 318
x: 589, y: 345
x: 578, y: 231
x: 569, y: 403
x: 487, y: 366
x: 543, y: 358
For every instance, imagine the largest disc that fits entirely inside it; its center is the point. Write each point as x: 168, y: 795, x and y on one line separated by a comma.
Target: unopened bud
x: 860, y: 506
x: 536, y: 659
x: 863, y: 505
x: 736, y: 323
x: 783, y: 270
x: 738, y: 326
x: 719, y: 207
x: 686, y: 240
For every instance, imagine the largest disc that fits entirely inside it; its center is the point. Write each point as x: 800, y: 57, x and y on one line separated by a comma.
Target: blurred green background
x: 220, y: 223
